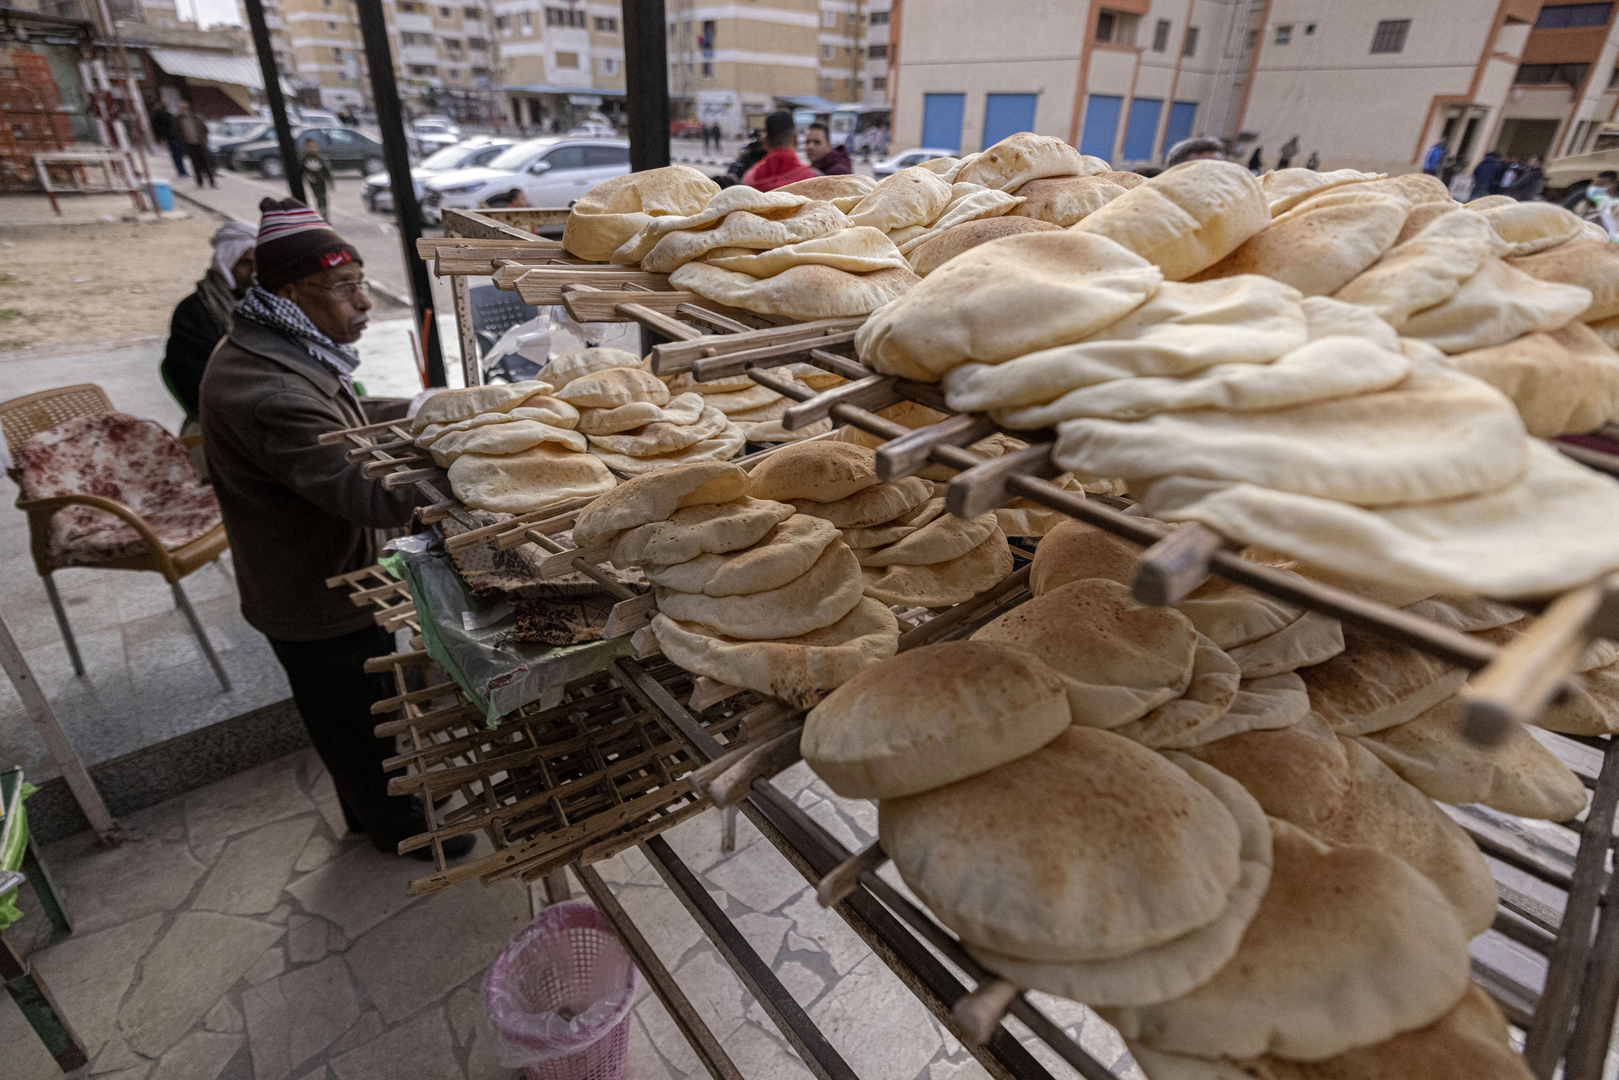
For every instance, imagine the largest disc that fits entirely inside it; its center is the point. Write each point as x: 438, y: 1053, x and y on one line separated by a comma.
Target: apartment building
x: 1367, y: 85
x: 559, y: 60
x: 1567, y: 86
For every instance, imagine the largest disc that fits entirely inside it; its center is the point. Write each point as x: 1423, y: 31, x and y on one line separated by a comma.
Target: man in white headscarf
x: 203, y: 317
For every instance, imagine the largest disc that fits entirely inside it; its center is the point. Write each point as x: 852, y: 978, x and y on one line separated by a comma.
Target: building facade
x: 1567, y: 86
x: 1367, y: 85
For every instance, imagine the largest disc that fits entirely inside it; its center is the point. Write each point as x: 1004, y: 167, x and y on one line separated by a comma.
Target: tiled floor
x: 241, y: 935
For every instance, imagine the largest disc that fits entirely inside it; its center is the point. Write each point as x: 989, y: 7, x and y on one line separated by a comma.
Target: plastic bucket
x: 560, y: 996
x: 162, y: 195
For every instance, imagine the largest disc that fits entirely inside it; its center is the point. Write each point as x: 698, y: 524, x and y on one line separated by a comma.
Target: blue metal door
x: 1101, y: 125
x: 1142, y: 128
x: 1007, y: 114
x: 1182, y: 114
x: 941, y: 121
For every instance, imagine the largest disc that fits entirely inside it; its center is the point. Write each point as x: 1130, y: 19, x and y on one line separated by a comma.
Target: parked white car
x: 907, y: 159
x: 378, y: 196
x: 430, y: 133
x: 550, y: 172
x: 593, y: 129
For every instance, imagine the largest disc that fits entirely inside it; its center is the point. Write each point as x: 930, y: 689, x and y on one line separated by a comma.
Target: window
x: 826, y: 85
x: 1390, y: 36
x: 331, y: 27
x: 472, y: 13
x: 1561, y: 16
x: 708, y: 70
x: 477, y: 43
x: 1116, y: 27
x: 503, y: 22
x: 879, y: 18
x: 705, y: 40
x: 877, y: 52
x: 606, y: 25
x: 564, y: 17
x: 444, y: 13
x: 453, y: 73
x: 1250, y: 41
x: 453, y: 44
x: 1309, y: 29
x: 1104, y: 26
x: 1551, y: 74
x: 566, y: 157
x: 1613, y: 80
x: 406, y: 37
x: 528, y: 19
x: 1160, y: 36
x: 1190, y: 48
x: 480, y: 73
x: 1284, y: 34
x: 609, y: 65
x: 567, y: 60
x: 827, y: 51
x: 337, y: 54
x: 829, y: 19
x: 880, y: 82
x: 598, y: 156
x: 408, y: 8
x: 423, y: 69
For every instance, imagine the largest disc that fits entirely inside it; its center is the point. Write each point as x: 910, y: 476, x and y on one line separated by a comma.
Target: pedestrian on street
x: 1487, y: 175
x: 1526, y: 186
x: 1289, y: 149
x: 317, y: 174
x: 824, y: 158
x: 163, y: 127
x: 719, y: 137
x: 708, y: 138
x: 1434, y: 158
x: 1314, y: 161
x: 780, y: 165
x: 1256, y: 164
x: 298, y: 512
x: 195, y: 134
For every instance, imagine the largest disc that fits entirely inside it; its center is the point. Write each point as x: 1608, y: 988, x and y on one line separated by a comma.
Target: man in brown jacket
x: 298, y: 512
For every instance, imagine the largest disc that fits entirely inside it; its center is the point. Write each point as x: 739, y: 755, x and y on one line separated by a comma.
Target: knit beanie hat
x: 295, y: 242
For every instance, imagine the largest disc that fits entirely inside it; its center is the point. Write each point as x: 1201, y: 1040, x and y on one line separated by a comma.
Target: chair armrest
x: 44, y: 509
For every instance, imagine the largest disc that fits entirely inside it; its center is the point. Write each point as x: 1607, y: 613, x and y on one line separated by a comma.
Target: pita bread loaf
x: 944, y: 538
x: 771, y: 431
x: 933, y: 716
x: 804, y: 292
x: 1425, y: 271
x: 1528, y: 227
x: 819, y: 597
x: 1066, y: 200
x: 722, y: 446
x: 508, y: 438
x: 1208, y: 697
x: 1470, y: 1042
x: 856, y: 250
x: 744, y: 230
x: 1286, y: 188
x: 972, y: 205
x: 782, y: 555
x: 1087, y: 849
x: 797, y: 670
x: 943, y: 246
x: 1564, y: 381
x: 450, y: 406
x: 1467, y: 616
x: 1161, y: 972
x: 1320, y: 251
x: 531, y: 480
x: 1121, y: 659
x: 1520, y: 776
x: 562, y: 370
x: 1590, y: 264
x: 914, y: 196
x: 1375, y: 449
x: 769, y: 205
x: 647, y: 499
x: 824, y: 471
x: 1075, y: 551
x: 1299, y: 773
x: 1186, y: 218
x: 1233, y: 615
x: 546, y: 410
x: 1592, y: 710
x: 1312, y: 638
x: 1017, y: 159
x: 1350, y: 946
x: 827, y: 188
x: 1264, y: 704
x: 1378, y: 683
x: 1326, y: 317
x: 682, y: 410
x: 871, y: 506
x: 1496, y: 305
x: 611, y: 387
x: 610, y: 213
x: 694, y: 530
x: 1421, y: 217
x: 1414, y: 188
x: 1183, y: 329
x: 663, y: 437
x: 945, y: 583
x: 1461, y: 546
x: 1011, y: 296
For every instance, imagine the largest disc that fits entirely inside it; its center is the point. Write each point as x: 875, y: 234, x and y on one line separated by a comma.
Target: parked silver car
x: 378, y: 196
x: 550, y: 172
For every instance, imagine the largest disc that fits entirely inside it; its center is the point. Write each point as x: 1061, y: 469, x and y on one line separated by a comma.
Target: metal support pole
x: 272, y: 94
x: 646, y: 83
x: 385, y: 91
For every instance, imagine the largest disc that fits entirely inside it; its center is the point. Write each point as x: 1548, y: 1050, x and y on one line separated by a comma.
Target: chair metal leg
x: 62, y: 623
x: 184, y: 605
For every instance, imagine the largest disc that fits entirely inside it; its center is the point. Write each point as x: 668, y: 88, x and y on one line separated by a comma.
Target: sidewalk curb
x: 376, y: 286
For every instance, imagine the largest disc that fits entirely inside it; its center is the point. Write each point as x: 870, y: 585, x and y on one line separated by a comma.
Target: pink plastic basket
x: 560, y: 997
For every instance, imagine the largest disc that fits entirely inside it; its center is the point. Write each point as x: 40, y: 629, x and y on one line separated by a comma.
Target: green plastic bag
x: 16, y: 842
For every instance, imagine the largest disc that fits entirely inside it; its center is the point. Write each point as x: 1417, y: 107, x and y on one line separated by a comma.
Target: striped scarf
x: 285, y: 317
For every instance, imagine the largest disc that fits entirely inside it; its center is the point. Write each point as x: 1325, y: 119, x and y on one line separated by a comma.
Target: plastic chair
x: 494, y: 312
x: 24, y: 417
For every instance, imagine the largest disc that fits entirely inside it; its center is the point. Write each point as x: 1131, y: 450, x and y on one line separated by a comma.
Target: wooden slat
x: 543, y: 285
x: 673, y: 357
x: 601, y: 305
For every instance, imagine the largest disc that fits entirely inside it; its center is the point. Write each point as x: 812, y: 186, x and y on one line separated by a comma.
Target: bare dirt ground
x: 102, y: 282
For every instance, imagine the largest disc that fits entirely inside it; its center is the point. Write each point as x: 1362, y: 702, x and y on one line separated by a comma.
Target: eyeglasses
x: 346, y: 290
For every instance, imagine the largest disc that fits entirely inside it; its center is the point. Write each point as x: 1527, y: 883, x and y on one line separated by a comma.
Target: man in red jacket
x: 780, y: 166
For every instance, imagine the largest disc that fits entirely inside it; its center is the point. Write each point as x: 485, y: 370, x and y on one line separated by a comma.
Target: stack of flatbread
x: 911, y: 553
x: 509, y: 447
x: 749, y: 592
x: 634, y: 425
x: 1171, y: 890
x: 612, y: 212
x: 756, y: 409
